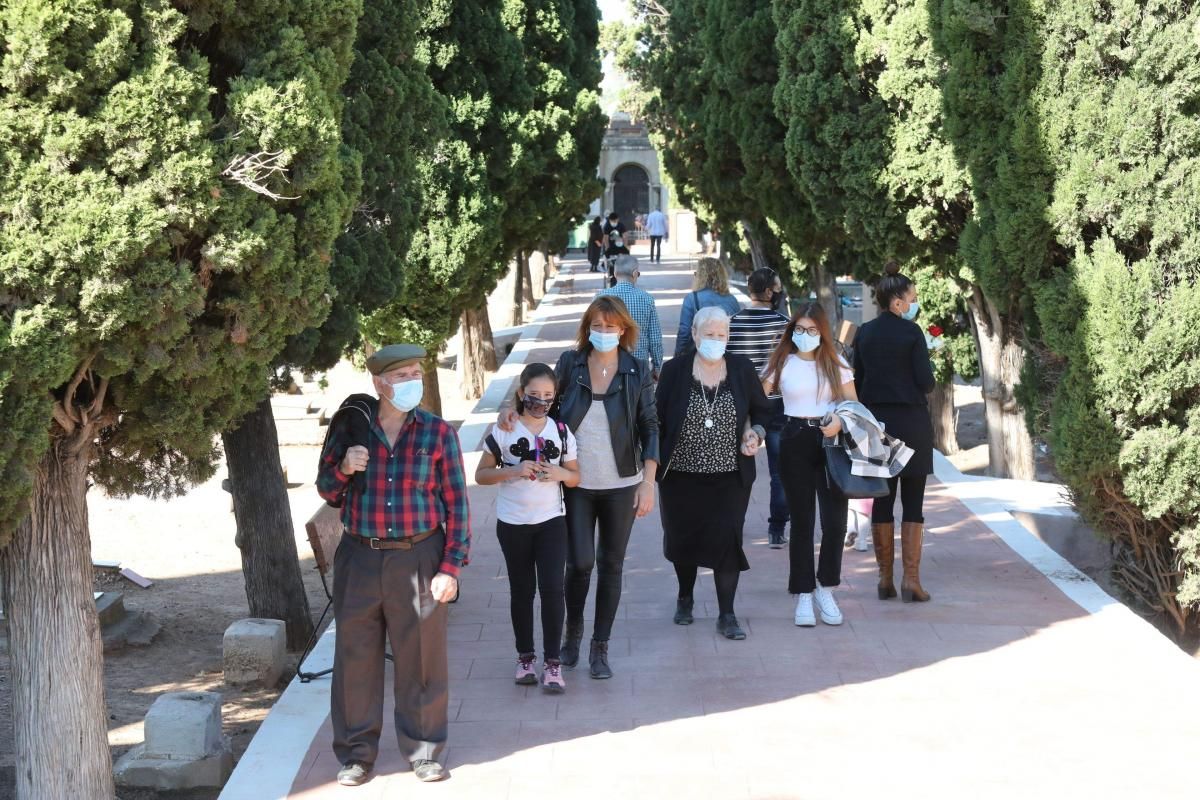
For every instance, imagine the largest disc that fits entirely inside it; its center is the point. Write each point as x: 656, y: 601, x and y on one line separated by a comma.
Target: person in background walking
x: 532, y: 463
x: 807, y: 370
x: 755, y: 332
x: 641, y: 307
x: 606, y: 397
x: 615, y: 243
x: 595, y: 246
x: 711, y: 413
x: 656, y: 227
x: 710, y: 288
x: 893, y: 375
x: 406, y: 537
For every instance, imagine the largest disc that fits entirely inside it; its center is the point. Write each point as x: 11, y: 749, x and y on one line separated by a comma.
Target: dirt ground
x: 185, y: 546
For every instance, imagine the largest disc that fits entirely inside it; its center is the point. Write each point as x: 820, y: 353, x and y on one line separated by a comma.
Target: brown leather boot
x: 910, y: 554
x: 883, y: 534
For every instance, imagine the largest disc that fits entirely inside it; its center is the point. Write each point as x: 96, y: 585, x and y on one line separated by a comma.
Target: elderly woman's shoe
x: 727, y: 626
x: 683, y: 611
x: 598, y: 661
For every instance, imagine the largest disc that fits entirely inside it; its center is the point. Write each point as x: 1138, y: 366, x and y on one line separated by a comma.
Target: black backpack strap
x: 494, y: 447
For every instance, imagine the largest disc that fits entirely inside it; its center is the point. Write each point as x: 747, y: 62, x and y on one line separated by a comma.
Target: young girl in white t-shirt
x: 813, y: 378
x: 531, y: 464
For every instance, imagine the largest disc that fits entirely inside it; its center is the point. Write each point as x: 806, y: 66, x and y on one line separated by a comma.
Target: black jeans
x: 612, y: 511
x: 725, y: 579
x: 536, y: 556
x: 802, y: 468
x: 780, y: 514
x: 656, y: 247
x: 912, y: 500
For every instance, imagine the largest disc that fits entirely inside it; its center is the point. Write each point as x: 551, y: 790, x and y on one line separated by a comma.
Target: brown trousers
x: 378, y: 593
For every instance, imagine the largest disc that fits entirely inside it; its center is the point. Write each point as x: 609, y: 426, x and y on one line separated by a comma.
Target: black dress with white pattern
x: 702, y: 448
x: 702, y: 499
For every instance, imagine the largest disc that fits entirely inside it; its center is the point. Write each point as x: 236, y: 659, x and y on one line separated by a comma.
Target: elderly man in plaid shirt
x: 406, y: 538
x: 641, y: 307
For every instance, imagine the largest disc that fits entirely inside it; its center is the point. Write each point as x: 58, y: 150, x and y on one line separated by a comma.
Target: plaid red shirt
x: 410, y: 489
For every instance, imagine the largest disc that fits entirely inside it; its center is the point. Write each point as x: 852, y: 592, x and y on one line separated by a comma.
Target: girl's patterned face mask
x: 536, y: 406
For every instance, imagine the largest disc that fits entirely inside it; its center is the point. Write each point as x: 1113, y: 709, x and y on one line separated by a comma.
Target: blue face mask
x: 407, y: 395
x: 913, y: 309
x: 604, y: 342
x: 805, y: 342
x: 711, y: 349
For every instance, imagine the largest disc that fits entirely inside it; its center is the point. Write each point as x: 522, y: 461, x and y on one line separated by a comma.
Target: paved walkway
x: 1020, y: 678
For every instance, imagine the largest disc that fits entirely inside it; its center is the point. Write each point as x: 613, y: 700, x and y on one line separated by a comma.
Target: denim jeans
x: 780, y: 514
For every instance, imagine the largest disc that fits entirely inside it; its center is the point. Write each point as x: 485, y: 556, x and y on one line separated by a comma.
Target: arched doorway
x: 630, y: 192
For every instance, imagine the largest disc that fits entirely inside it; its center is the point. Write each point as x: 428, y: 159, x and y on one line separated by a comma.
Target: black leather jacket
x: 632, y: 416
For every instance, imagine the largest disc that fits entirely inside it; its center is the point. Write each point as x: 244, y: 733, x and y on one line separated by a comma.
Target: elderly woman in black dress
x: 711, y: 413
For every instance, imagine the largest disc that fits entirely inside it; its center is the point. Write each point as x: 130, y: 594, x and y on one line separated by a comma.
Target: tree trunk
x: 518, y: 312
x: 56, y: 660
x: 1001, y: 357
x: 537, y: 277
x: 477, y: 351
x: 527, y: 299
x: 758, y: 256
x: 431, y: 400
x: 945, y: 418
x: 265, y: 531
x: 824, y: 283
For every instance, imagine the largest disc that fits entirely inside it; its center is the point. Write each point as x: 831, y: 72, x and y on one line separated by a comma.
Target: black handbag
x: 837, y: 472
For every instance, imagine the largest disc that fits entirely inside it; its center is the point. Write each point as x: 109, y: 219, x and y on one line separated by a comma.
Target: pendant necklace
x: 709, y: 410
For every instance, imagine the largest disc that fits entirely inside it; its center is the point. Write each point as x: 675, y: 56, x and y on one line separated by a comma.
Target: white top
x: 525, y: 502
x: 656, y: 223
x: 803, y: 395
x: 598, y: 468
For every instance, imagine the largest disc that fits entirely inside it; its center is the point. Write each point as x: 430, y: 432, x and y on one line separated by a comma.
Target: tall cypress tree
x: 859, y: 90
x: 1114, y: 115
x: 391, y: 114
x: 171, y: 188
x: 458, y: 251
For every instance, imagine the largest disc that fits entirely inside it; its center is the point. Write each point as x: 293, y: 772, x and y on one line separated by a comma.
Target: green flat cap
x: 394, y: 355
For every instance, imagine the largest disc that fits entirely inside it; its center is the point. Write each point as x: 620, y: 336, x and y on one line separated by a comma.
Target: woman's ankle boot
x: 569, y: 655
x: 883, y: 534
x: 911, y: 534
x: 598, y: 660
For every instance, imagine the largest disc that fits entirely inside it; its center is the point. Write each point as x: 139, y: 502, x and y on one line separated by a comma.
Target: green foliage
x: 130, y: 244
x: 392, y: 114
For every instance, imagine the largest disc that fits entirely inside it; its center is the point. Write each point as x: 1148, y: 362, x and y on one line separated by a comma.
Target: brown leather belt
x: 406, y: 543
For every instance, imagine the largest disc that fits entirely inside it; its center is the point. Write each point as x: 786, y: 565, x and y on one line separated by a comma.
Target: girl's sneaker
x: 552, y: 679
x: 526, y: 676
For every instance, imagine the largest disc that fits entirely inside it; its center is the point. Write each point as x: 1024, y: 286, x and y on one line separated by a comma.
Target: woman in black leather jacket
x: 606, y: 397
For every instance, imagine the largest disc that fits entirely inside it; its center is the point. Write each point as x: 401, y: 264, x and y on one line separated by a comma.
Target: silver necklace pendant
x: 708, y: 423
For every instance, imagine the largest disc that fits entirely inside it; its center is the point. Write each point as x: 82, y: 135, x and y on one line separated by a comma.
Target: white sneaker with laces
x: 830, y: 613
x: 804, y: 611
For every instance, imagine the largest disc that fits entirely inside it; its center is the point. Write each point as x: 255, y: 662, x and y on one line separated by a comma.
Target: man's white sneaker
x: 804, y: 611
x: 830, y: 613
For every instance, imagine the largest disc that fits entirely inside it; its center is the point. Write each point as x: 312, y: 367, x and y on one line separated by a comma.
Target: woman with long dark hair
x: 813, y: 378
x: 893, y: 375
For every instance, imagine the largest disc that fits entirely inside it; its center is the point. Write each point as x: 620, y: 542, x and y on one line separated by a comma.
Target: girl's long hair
x: 829, y: 361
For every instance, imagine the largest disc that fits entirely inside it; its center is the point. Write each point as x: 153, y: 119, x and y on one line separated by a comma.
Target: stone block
x: 254, y: 652
x: 184, y: 725
x: 184, y: 748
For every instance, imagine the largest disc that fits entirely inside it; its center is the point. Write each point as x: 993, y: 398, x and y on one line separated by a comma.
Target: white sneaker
x: 830, y: 613
x: 804, y: 611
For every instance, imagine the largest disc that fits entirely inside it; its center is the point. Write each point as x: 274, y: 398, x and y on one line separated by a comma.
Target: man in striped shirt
x: 754, y: 332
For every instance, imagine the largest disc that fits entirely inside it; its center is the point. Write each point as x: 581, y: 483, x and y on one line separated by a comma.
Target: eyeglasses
x: 810, y: 331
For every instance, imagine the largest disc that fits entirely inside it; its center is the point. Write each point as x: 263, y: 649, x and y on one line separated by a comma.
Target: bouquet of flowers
x: 933, y: 337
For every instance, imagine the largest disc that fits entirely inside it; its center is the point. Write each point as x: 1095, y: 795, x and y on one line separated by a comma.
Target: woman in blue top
x: 711, y: 288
